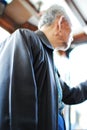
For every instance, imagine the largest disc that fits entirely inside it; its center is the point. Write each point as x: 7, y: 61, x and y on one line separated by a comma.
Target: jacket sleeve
x: 74, y: 95
x: 18, y: 90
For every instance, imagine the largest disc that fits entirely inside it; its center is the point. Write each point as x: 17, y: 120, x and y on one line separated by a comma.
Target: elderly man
x: 30, y: 92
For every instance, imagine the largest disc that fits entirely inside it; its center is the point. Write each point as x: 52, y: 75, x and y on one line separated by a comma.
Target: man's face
x: 64, y: 38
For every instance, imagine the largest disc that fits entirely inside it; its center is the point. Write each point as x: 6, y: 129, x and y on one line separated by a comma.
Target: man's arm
x: 74, y: 95
x: 18, y: 90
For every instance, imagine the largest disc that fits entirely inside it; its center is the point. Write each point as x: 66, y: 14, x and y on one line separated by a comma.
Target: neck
x: 49, y: 34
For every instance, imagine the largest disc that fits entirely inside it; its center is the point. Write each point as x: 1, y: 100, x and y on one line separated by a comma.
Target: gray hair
x: 51, y: 14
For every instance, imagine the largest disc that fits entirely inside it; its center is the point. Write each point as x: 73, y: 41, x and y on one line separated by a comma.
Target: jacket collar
x: 43, y: 37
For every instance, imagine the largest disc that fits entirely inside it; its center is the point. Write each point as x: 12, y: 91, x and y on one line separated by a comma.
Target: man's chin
x: 66, y: 47
x: 63, y: 48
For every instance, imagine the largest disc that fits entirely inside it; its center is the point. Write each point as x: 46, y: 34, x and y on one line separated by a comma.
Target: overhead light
x: 8, y: 1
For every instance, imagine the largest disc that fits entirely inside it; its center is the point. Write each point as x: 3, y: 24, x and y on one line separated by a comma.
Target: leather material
x: 28, y: 96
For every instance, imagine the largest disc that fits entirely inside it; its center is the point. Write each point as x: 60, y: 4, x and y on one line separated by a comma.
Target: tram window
x: 78, y: 73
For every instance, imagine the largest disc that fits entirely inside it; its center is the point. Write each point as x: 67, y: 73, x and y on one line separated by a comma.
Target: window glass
x: 73, y: 71
x: 78, y: 73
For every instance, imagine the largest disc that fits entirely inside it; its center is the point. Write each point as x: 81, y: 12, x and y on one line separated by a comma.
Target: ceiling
x: 24, y: 13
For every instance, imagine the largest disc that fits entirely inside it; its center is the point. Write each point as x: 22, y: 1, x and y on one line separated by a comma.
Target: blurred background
x: 72, y: 63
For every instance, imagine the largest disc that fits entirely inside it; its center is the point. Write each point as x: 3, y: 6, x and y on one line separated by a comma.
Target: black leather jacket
x: 28, y: 96
x: 28, y: 92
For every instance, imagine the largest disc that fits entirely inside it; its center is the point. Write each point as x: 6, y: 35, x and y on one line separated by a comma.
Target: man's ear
x: 58, y: 25
x: 60, y: 19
